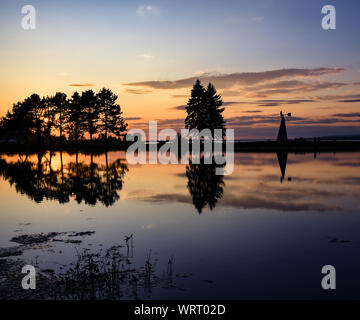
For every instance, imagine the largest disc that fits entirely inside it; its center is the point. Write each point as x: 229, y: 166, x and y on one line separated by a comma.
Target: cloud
x: 149, y: 226
x: 81, y: 85
x: 340, y: 98
x: 350, y: 100
x: 181, y: 107
x: 137, y: 91
x: 347, y: 115
x: 279, y: 102
x: 270, y: 120
x: 225, y: 104
x: 146, y: 9
x: 133, y: 118
x: 223, y: 81
x: 145, y: 56
x: 291, y: 87
x: 274, y: 102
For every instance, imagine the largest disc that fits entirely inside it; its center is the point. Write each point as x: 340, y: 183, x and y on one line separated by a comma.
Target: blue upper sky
x: 115, y: 42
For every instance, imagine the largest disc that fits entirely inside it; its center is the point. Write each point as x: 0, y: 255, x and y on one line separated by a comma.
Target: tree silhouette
x: 18, y: 122
x: 75, y: 120
x: 89, y: 103
x: 204, y: 109
x: 61, y: 105
x: 36, y: 110
x: 205, y: 187
x: 196, y: 116
x: 111, y: 120
x: 213, y: 106
x: 49, y: 116
x: 42, y: 118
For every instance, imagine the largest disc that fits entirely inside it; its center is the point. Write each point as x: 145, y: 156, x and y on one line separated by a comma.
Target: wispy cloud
x: 81, y: 85
x: 225, y: 104
x: 223, y: 81
x: 145, y: 56
x: 350, y: 100
x: 340, y: 98
x: 133, y: 118
x: 347, y: 115
x: 137, y: 91
x: 272, y: 102
x: 146, y: 9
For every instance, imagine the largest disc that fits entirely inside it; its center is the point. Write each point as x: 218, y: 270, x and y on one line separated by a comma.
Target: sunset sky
x: 263, y: 56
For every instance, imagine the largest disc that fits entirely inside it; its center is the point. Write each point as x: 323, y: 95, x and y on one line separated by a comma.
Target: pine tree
x: 213, y: 106
x: 196, y: 117
x: 89, y: 103
x: 61, y: 105
x: 35, y: 107
x: 49, y: 116
x: 111, y: 120
x: 76, y: 117
x: 204, y: 109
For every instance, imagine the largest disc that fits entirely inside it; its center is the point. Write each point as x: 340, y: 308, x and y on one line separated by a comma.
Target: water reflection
x: 205, y: 187
x: 40, y: 178
x: 282, y: 159
x: 255, y: 184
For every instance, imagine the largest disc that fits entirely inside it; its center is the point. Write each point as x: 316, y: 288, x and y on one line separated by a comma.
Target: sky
x: 263, y: 56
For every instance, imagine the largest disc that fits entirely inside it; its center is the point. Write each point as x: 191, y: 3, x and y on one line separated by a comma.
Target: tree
x: 75, y: 120
x: 213, y: 106
x: 18, y: 122
x: 89, y: 104
x: 49, y: 116
x: 110, y: 114
x: 61, y: 107
x: 34, y: 105
x: 196, y: 117
x: 204, y: 109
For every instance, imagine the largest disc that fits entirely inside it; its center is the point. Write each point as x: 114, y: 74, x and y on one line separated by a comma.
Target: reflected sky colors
x: 265, y: 237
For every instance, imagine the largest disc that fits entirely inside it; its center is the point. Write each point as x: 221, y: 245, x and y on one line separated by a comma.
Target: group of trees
x: 204, y: 109
x: 82, y: 116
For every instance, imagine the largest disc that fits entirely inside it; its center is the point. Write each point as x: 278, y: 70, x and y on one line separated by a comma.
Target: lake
x: 265, y: 231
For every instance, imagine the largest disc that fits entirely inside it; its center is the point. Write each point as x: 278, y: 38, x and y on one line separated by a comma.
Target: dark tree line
x: 62, y: 119
x: 204, y: 109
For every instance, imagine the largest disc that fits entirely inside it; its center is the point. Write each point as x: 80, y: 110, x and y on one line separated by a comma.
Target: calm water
x: 264, y: 231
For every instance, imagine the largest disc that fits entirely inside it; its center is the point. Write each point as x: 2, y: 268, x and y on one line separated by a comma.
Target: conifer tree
x: 89, y: 103
x: 196, y: 117
x: 76, y: 117
x: 111, y: 119
x: 213, y: 106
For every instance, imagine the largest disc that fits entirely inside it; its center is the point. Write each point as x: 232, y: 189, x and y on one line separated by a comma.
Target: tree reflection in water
x: 205, y: 187
x: 90, y: 183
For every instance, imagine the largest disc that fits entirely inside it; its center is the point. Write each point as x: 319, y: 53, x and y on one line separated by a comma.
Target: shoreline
x: 292, y: 146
